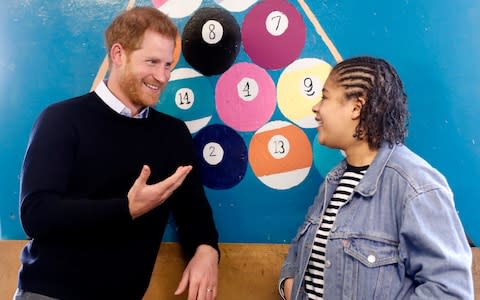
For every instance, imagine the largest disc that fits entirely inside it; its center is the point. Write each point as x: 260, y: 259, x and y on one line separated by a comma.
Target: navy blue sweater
x: 80, y: 163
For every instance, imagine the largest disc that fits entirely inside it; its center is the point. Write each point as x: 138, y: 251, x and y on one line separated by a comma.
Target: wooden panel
x: 247, y: 271
x: 9, y: 264
x: 476, y: 271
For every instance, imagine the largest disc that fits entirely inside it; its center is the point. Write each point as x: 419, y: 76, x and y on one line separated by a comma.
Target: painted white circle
x: 276, y: 23
x: 278, y: 146
x: 176, y: 9
x: 213, y: 153
x: 311, y: 87
x: 247, y: 89
x: 212, y: 32
x: 184, y: 98
x: 235, y: 5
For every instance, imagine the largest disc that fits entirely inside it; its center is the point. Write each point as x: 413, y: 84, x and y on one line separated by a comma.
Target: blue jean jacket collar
x: 369, y: 184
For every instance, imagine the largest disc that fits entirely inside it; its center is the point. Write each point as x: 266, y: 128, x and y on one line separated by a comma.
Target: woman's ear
x: 358, y: 104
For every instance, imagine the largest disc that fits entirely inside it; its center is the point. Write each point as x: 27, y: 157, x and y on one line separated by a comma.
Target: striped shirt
x: 316, y: 265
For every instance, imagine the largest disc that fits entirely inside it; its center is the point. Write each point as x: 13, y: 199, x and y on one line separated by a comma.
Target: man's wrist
x: 208, y: 249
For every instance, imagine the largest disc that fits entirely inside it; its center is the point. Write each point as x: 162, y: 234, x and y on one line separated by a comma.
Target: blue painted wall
x: 52, y: 50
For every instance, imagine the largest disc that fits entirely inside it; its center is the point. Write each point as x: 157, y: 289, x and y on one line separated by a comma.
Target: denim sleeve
x: 291, y: 265
x: 434, y: 247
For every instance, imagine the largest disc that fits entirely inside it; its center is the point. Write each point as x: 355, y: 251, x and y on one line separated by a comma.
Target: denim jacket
x: 397, y: 237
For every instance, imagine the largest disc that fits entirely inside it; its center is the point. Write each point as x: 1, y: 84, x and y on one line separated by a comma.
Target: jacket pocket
x: 371, y: 268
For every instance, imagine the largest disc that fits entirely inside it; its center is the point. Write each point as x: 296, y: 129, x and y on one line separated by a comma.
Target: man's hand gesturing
x: 143, y: 197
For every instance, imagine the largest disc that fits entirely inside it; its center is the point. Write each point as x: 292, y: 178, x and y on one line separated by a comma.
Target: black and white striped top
x: 315, y: 270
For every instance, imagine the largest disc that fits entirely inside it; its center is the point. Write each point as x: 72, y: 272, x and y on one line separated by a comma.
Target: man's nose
x: 161, y: 74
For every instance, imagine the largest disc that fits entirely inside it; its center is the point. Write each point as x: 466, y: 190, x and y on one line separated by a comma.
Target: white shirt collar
x: 114, y: 103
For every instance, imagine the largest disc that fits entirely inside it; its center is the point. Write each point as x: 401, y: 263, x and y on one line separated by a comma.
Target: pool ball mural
x: 245, y: 86
x: 246, y: 76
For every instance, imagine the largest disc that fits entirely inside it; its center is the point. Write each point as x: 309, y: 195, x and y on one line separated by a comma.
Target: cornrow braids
x: 384, y: 115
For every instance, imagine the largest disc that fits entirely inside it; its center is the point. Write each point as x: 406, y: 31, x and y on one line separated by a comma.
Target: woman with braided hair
x: 384, y: 224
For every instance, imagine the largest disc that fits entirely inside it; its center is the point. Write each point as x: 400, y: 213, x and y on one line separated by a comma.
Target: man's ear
x: 117, y: 53
x: 358, y: 104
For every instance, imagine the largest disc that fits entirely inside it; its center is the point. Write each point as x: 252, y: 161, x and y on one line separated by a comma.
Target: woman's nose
x: 315, y: 107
